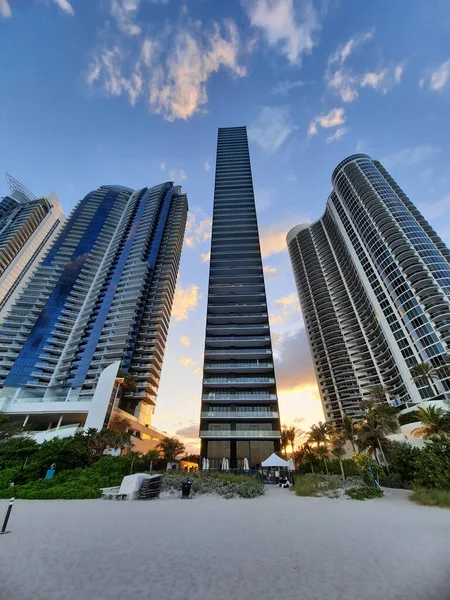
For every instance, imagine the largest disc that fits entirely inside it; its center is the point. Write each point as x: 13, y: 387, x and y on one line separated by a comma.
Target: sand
x: 275, y: 547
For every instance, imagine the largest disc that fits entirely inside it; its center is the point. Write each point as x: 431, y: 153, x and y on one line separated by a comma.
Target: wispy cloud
x: 177, y: 175
x: 343, y: 80
x: 335, y: 117
x: 198, y: 227
x: 186, y: 299
x: 284, y: 87
x: 162, y: 166
x: 340, y: 132
x: 207, y: 166
x: 273, y: 237
x: 272, y: 127
x: 125, y: 12
x: 185, y: 340
x: 286, y: 309
x: 173, y: 73
x: 206, y: 257
x: 5, y: 9
x: 436, y: 80
x: 270, y: 271
x: 412, y: 155
x: 65, y: 6
x: 290, y: 30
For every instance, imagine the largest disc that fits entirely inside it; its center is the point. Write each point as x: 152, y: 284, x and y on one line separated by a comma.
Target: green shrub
x: 315, y: 484
x: 402, y: 457
x: 394, y: 480
x: 432, y: 465
x: 406, y: 418
x: 367, y: 468
x: 364, y: 493
x: 431, y: 497
x: 226, y: 485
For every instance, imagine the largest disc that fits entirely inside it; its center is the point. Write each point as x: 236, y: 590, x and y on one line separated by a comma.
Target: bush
x: 226, y: 485
x: 394, y: 480
x: 432, y: 465
x: 315, y: 484
x: 409, y: 417
x: 367, y: 468
x: 427, y: 497
x: 402, y: 457
x: 364, y: 493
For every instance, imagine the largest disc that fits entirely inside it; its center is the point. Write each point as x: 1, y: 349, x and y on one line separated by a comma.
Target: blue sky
x: 132, y: 92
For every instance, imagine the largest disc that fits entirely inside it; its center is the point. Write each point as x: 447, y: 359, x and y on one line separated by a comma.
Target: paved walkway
x: 275, y: 547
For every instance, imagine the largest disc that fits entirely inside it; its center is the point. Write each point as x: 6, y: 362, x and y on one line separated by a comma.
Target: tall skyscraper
x: 239, y: 413
x: 373, y: 279
x: 28, y: 227
x: 101, y: 300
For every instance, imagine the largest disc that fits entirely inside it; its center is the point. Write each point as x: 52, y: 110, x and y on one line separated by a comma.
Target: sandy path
x: 278, y: 546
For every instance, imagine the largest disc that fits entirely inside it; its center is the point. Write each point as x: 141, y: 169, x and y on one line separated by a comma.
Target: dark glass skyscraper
x: 101, y: 299
x: 374, y: 284
x: 239, y: 414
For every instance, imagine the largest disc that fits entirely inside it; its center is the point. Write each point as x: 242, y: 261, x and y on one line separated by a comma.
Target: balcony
x: 236, y: 366
x: 238, y: 381
x: 239, y: 414
x: 230, y: 341
x: 226, y: 433
x: 259, y: 396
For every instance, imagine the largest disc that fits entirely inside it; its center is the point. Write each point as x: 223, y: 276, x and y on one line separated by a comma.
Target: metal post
x: 8, y: 512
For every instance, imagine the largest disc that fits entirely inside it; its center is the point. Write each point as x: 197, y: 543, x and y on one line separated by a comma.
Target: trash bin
x: 186, y: 488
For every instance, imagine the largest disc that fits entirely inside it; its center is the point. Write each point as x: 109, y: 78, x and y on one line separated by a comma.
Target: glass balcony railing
x: 243, y: 365
x: 226, y: 433
x: 238, y: 380
x: 240, y: 414
x: 226, y: 396
x: 237, y: 351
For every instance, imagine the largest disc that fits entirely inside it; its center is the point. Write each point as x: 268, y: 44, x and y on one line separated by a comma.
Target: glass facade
x: 102, y: 294
x: 373, y: 281
x: 239, y: 397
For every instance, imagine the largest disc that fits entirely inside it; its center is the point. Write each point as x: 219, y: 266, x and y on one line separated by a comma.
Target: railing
x: 237, y: 351
x: 251, y: 365
x: 243, y: 396
x: 236, y: 414
x: 234, y: 380
x: 247, y: 434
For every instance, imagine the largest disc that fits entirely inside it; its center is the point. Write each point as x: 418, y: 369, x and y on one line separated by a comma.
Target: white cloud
x: 271, y: 128
x: 291, y: 31
x: 340, y: 132
x: 413, y: 155
x: 198, y: 227
x: 438, y: 78
x: 206, y: 257
x: 273, y: 237
x: 207, y: 166
x: 284, y: 87
x: 124, y: 12
x: 186, y: 299
x: 162, y: 166
x: 173, y: 72
x: 177, y: 175
x: 345, y: 81
x: 5, y: 9
x: 335, y: 117
x: 185, y: 340
x: 270, y: 271
x: 65, y: 6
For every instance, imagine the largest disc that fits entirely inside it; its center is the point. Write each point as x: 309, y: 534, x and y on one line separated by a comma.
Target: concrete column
x: 59, y: 422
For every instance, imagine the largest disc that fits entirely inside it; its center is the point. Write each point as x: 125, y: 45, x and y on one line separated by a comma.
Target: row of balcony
x: 239, y: 414
x: 228, y: 434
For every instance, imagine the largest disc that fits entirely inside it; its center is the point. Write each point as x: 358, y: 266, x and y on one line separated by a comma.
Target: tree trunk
x: 353, y: 445
x: 384, y: 458
x: 326, y: 467
x: 342, y: 469
x: 312, y: 468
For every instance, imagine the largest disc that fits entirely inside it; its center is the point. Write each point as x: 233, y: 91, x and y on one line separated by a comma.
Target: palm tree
x: 318, y: 434
x: 424, y: 372
x: 338, y: 450
x: 284, y: 441
x: 348, y: 430
x: 374, y: 428
x: 304, y: 454
x: 435, y: 420
x: 291, y: 435
x: 100, y: 441
x: 377, y: 393
x: 323, y: 453
x: 171, y: 448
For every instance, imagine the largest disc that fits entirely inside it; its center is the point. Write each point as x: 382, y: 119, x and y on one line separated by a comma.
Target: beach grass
x: 431, y: 497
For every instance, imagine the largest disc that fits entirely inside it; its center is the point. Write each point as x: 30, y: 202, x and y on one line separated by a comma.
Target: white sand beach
x: 275, y: 547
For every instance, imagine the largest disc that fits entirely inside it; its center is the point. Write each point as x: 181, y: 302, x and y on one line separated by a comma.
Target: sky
x: 132, y: 92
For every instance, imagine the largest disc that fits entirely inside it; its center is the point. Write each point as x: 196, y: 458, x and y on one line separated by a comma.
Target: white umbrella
x: 246, y: 465
x: 223, y: 463
x: 291, y: 464
x: 204, y: 464
x: 227, y: 464
x: 207, y: 464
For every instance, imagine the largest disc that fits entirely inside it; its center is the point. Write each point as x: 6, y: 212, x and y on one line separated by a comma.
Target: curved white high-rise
x: 28, y: 227
x: 373, y: 280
